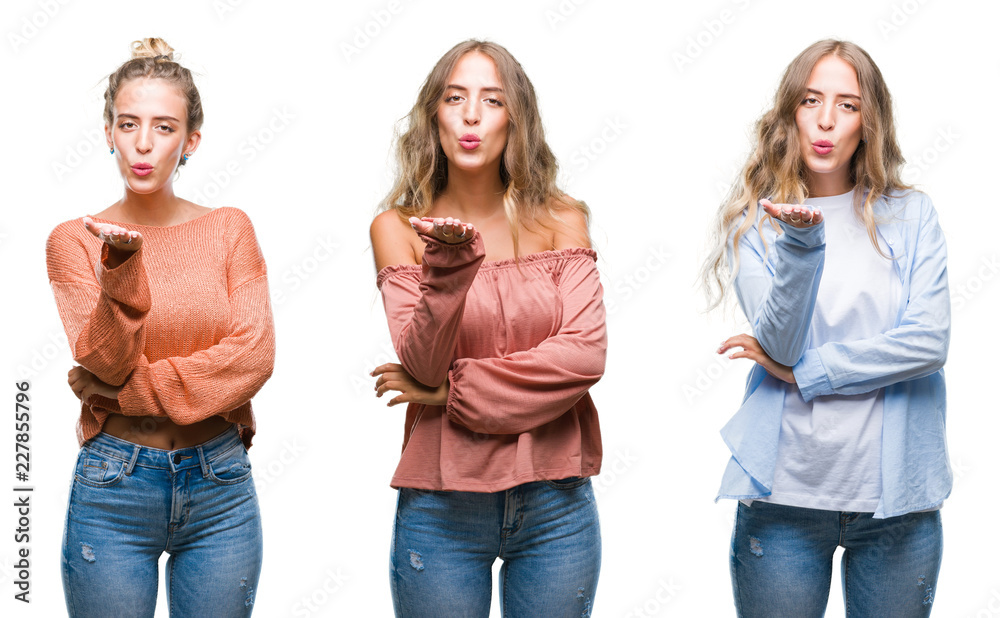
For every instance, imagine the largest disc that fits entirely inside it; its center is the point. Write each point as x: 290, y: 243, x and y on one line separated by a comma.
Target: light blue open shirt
x: 777, y: 291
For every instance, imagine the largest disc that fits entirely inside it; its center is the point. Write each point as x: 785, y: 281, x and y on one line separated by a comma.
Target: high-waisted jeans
x: 782, y: 561
x: 444, y: 545
x: 131, y: 503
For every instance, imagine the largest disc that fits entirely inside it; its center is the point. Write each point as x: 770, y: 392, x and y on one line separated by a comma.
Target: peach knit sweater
x: 183, y: 325
x: 521, y: 343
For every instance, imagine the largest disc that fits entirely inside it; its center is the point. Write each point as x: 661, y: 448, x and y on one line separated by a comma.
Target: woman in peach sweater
x: 165, y: 304
x: 495, y: 309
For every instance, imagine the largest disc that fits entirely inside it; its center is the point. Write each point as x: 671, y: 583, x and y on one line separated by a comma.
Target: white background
x: 648, y: 106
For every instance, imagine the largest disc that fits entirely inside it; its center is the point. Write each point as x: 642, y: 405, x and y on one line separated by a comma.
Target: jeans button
x: 177, y: 459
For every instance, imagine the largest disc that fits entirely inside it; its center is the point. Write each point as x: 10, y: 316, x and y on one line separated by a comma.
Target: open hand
x: 751, y: 349
x: 115, y: 236
x: 445, y: 229
x: 392, y: 377
x: 795, y: 215
x: 85, y: 385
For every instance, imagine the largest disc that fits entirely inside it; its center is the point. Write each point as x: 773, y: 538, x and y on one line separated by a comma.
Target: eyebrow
x: 849, y: 96
x: 127, y: 115
x: 487, y: 89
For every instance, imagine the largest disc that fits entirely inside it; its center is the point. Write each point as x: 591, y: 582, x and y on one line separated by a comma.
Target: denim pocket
x: 230, y: 468
x: 568, y: 483
x: 96, y: 469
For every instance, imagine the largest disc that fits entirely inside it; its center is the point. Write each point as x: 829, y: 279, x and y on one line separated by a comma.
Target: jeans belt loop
x: 131, y: 462
x: 202, y: 460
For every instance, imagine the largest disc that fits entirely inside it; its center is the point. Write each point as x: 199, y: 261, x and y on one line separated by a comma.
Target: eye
x: 851, y: 106
x: 496, y: 102
x: 166, y: 128
x: 452, y: 99
x: 811, y: 101
x: 127, y: 124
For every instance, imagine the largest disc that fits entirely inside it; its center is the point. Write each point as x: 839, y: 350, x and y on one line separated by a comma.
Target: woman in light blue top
x: 840, y: 268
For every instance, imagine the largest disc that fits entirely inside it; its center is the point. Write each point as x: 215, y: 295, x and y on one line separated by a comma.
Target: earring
x: 112, y: 150
x: 186, y: 155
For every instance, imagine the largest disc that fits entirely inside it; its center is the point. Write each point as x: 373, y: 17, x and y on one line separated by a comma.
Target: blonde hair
x: 153, y: 58
x: 527, y: 168
x: 775, y: 169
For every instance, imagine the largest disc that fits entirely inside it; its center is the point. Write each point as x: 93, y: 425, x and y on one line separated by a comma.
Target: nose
x: 144, y: 141
x: 826, y: 117
x: 470, y: 113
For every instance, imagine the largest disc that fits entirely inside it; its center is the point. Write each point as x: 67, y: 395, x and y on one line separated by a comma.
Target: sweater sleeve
x: 916, y: 348
x: 226, y: 375
x: 527, y: 389
x: 103, y: 310
x: 425, y: 314
x: 778, y: 292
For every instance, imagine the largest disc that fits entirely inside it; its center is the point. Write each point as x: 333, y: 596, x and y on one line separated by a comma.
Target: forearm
x: 425, y: 317
x: 779, y: 301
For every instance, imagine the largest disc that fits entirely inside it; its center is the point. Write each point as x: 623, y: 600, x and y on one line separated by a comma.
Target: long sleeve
x: 778, y: 292
x: 223, y: 377
x: 102, y: 309
x: 526, y: 389
x: 917, y: 347
x: 425, y: 314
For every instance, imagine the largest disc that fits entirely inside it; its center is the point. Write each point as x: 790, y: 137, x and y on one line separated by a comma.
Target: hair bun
x: 152, y: 48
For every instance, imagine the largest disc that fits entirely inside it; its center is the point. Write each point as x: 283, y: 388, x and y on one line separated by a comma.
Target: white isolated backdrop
x: 648, y: 106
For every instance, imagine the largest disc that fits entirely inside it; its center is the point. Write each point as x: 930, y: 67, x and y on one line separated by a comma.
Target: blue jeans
x: 444, y: 545
x: 130, y: 503
x: 781, y: 561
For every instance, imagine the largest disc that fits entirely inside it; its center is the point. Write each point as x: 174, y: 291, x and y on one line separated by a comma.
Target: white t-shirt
x: 829, y: 451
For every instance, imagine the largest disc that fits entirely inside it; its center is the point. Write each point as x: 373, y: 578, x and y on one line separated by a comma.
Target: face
x: 829, y: 123
x: 472, y: 118
x: 149, y: 133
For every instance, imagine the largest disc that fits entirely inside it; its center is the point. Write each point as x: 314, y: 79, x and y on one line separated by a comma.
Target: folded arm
x: 778, y: 292
x: 103, y: 309
x: 917, y: 347
x: 425, y: 313
x: 527, y: 389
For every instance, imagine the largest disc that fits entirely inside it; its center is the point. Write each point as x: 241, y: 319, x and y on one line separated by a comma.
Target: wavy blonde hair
x: 527, y: 167
x: 775, y: 168
x: 153, y: 58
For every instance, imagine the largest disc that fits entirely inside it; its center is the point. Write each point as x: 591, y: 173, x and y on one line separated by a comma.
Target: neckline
x: 531, y: 258
x: 833, y: 198
x: 158, y: 227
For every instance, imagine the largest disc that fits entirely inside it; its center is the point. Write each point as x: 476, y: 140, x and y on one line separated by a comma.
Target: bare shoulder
x: 393, y: 240
x: 570, y: 224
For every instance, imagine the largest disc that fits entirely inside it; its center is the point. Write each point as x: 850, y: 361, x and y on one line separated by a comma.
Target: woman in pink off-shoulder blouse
x: 495, y: 309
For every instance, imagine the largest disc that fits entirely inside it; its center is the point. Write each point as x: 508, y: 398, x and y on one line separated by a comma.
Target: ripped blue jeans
x: 444, y: 544
x: 130, y: 503
x: 781, y: 561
